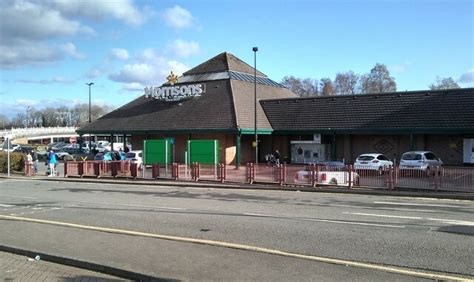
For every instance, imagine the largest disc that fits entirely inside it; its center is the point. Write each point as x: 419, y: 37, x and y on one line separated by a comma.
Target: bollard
x: 174, y: 171
x: 250, y: 173
x: 350, y: 177
x: 96, y: 169
x: 66, y: 164
x: 155, y: 171
x: 134, y: 170
x: 114, y: 168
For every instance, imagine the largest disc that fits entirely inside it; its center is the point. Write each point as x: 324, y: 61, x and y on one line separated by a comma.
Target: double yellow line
x: 370, y: 266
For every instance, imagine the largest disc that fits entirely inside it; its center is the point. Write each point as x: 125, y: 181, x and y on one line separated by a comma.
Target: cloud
x: 134, y: 86
x: 54, y: 80
x: 38, y: 54
x: 29, y: 26
x: 467, y: 77
x: 183, y: 48
x: 70, y: 49
x: 178, y: 18
x: 148, y: 68
x: 118, y: 53
x: 94, y: 73
x: 27, y: 21
x: 400, y: 68
x: 122, y: 10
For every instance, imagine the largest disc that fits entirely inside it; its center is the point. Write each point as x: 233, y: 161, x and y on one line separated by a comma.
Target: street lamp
x: 255, y: 49
x: 27, y: 115
x: 90, y: 118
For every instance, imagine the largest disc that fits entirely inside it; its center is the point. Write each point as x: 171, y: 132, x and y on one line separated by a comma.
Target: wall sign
x: 176, y: 92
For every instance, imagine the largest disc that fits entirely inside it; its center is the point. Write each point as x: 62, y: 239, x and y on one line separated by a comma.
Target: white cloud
x: 148, y: 68
x: 36, y: 55
x: 119, y: 53
x: 54, y: 80
x: 183, y: 48
x: 27, y: 21
x: 178, y: 17
x: 134, y: 86
x: 94, y: 73
x: 29, y: 26
x: 400, y: 68
x: 70, y: 49
x: 467, y: 77
x: 122, y: 10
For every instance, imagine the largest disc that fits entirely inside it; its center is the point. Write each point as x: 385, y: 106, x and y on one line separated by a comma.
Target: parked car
x: 135, y: 157
x: 372, y: 162
x: 424, y: 161
x: 23, y: 149
x: 62, y: 154
x: 103, y: 156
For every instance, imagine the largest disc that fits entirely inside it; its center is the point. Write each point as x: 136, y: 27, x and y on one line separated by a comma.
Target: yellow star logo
x: 172, y: 78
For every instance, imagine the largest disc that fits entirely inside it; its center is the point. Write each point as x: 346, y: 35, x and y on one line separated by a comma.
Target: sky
x: 50, y: 49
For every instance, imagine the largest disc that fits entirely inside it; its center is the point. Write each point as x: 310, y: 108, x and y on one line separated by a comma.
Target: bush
x: 17, y: 162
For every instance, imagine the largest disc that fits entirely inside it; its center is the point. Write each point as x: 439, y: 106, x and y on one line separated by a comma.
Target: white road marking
x: 364, y: 265
x: 258, y: 214
x: 443, y: 220
x: 413, y: 204
x: 358, y: 223
x: 138, y: 206
x: 6, y: 206
x: 20, y: 197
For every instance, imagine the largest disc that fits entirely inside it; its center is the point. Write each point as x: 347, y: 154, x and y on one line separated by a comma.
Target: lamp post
x: 255, y: 49
x: 90, y: 118
x: 27, y: 116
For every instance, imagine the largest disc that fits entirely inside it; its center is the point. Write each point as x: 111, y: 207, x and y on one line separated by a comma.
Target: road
x: 150, y: 230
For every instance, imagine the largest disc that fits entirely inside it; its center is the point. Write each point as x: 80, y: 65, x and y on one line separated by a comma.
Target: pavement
x: 15, y: 266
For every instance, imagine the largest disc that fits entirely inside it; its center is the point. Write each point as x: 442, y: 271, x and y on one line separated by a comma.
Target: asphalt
x: 17, y: 264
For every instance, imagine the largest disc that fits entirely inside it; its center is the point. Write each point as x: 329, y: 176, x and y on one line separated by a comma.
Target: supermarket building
x: 215, y: 101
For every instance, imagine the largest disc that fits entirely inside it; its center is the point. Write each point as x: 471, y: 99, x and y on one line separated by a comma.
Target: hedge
x: 17, y: 162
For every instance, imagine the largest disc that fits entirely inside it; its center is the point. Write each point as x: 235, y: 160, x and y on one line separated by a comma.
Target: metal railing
x: 448, y: 178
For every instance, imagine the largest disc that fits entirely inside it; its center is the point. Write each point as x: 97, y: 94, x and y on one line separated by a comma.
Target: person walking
x: 34, y: 155
x: 29, y: 164
x: 276, y: 157
x: 52, y: 162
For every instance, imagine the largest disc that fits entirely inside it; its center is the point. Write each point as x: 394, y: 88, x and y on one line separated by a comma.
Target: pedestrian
x: 276, y: 156
x: 52, y: 162
x: 29, y: 164
x: 34, y: 155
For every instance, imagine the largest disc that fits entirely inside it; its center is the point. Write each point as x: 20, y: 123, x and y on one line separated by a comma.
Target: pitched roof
x: 244, y: 102
x: 223, y: 62
x: 416, y: 111
x: 226, y: 105
x: 212, y: 111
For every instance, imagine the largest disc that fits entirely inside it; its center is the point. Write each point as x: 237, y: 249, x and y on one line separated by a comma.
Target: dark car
x: 23, y: 149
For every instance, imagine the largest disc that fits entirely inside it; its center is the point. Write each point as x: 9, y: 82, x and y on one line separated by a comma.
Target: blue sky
x: 50, y: 49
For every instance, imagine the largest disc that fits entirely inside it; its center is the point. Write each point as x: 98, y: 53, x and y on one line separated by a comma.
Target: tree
x: 444, y: 83
x: 303, y: 88
x: 378, y: 80
x: 346, y: 83
x: 326, y: 86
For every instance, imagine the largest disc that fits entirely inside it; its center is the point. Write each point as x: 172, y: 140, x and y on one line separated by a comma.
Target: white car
x: 420, y: 160
x: 135, y: 157
x: 374, y: 161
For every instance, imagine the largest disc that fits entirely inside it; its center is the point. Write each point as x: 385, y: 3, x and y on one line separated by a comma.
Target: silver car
x: 425, y: 161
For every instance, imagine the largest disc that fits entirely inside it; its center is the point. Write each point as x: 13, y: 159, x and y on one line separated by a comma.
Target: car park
x: 372, y: 162
x: 135, y: 157
x: 424, y: 161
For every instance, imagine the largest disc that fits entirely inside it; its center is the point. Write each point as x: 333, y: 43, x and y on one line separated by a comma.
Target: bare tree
x: 444, y: 83
x: 378, y: 80
x: 326, y: 86
x: 346, y: 83
x: 301, y: 87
